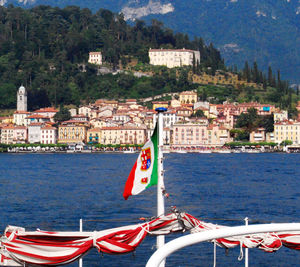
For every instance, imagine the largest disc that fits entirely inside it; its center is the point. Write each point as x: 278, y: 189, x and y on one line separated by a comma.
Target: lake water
x: 53, y: 191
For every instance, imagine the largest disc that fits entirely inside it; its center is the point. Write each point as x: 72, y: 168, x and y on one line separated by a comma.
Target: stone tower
x: 22, y: 99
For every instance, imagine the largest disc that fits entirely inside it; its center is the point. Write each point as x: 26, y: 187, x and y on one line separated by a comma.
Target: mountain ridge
x: 265, y: 31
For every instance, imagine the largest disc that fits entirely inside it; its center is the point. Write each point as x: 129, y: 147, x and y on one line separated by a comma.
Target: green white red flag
x: 144, y: 171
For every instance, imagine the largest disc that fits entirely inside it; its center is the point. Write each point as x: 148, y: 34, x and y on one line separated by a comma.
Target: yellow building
x: 287, y: 130
x: 160, y: 104
x: 94, y: 135
x: 70, y: 132
x: 188, y: 97
x: 218, y: 135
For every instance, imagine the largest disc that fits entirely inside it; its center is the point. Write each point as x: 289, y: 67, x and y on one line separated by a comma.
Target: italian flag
x: 144, y: 171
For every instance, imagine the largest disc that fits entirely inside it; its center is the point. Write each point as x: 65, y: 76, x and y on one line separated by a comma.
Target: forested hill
x: 265, y: 31
x: 43, y: 47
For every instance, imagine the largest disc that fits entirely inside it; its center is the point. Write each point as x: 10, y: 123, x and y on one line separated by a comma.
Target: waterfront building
x: 48, y: 135
x: 123, y: 135
x: 188, y: 97
x: 172, y: 58
x: 287, y: 130
x: 34, y: 132
x: 189, y: 134
x: 22, y: 99
x: 7, y: 134
x: 94, y: 136
x: 258, y: 135
x: 13, y: 134
x: 218, y: 135
x: 95, y: 58
x: 70, y: 132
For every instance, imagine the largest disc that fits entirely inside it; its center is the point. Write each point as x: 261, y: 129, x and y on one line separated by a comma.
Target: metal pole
x: 191, y: 239
x: 80, y: 230
x: 160, y: 240
x: 246, y: 249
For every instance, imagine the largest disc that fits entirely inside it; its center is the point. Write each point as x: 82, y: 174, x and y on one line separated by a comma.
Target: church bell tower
x: 22, y: 99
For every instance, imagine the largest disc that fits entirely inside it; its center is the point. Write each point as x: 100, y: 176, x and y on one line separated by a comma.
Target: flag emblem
x: 146, y: 159
x: 144, y: 180
x: 144, y: 171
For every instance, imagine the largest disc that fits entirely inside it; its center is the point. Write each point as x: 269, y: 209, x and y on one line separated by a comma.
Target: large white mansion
x: 95, y: 58
x: 173, y: 57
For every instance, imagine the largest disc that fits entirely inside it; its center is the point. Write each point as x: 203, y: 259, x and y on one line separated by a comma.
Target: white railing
x: 161, y: 254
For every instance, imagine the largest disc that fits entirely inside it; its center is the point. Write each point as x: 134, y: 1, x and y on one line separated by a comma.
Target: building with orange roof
x: 46, y: 112
x: 33, y: 118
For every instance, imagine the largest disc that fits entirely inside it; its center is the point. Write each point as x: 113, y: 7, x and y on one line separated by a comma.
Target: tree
x: 198, y: 114
x: 62, y: 115
x: 247, y: 120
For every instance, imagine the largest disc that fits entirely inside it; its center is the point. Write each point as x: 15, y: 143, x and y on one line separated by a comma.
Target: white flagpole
x: 160, y: 240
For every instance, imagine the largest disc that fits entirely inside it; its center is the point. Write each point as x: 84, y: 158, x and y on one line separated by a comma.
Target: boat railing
x: 161, y: 254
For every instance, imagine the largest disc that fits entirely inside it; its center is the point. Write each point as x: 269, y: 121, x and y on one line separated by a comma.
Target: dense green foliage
x: 251, y: 120
x: 44, y: 48
x: 240, y: 144
x: 62, y: 115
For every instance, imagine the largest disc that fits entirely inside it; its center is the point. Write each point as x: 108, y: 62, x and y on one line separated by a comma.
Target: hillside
x: 46, y: 49
x: 265, y: 31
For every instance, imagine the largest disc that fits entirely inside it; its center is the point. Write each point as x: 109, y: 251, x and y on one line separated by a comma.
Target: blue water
x: 53, y: 191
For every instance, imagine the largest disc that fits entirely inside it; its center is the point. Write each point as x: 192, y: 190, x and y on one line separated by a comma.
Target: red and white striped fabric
x: 19, y: 247
x: 269, y: 242
x: 58, y: 248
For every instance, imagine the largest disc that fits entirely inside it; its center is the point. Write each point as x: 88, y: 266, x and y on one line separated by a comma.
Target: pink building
x: 48, y: 135
x: 188, y: 135
x: 13, y: 134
